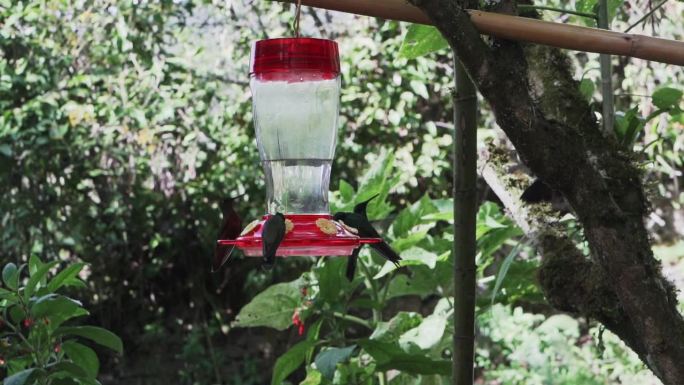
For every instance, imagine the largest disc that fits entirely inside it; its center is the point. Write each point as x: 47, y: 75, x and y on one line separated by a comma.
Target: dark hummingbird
x: 230, y: 229
x: 359, y: 220
x: 271, y: 236
x: 537, y: 192
x: 540, y: 192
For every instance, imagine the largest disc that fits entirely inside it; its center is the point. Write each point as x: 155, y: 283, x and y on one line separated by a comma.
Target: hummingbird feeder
x: 295, y: 85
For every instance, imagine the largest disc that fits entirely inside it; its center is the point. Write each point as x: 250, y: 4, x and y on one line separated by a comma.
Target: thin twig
x: 644, y: 17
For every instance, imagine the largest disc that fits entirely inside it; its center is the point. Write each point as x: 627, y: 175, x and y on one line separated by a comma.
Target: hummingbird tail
x: 351, y: 264
x: 221, y: 256
x: 386, y: 251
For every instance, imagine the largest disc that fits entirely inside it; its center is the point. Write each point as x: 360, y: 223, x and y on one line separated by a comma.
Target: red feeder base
x: 308, y: 234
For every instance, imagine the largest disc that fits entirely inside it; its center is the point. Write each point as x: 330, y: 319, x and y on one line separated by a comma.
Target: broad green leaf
x: 503, y: 270
x: 628, y: 125
x: 331, y: 279
x: 66, y: 368
x: 36, y: 277
x: 587, y: 88
x: 412, y: 216
x: 96, y: 334
x: 395, y: 327
x: 346, y: 191
x: 24, y: 377
x: 272, y: 308
x: 34, y: 263
x: 422, y: 283
x: 421, y: 40
x: 82, y: 356
x: 313, y: 377
x: 667, y: 97
x: 391, y: 356
x: 327, y: 360
x: 290, y: 361
x: 411, y: 257
x: 9, y: 275
x: 64, y: 276
x: 426, y: 335
x: 51, y: 305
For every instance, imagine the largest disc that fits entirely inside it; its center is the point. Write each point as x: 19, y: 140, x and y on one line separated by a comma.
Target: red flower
x: 58, y: 348
x: 28, y: 322
x: 297, y: 321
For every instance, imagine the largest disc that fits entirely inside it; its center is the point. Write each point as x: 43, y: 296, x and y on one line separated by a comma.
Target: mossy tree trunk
x: 538, y: 105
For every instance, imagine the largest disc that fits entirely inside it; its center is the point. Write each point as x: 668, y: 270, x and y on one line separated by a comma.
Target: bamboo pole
x: 525, y: 29
x: 465, y: 212
x: 608, y: 114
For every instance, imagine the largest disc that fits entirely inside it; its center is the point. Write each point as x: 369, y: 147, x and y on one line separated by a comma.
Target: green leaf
x: 421, y: 40
x: 587, y: 88
x: 331, y: 279
x: 23, y: 377
x: 36, y: 277
x: 503, y: 270
x: 426, y: 335
x: 666, y: 97
x: 419, y: 88
x: 10, y: 276
x: 82, y: 356
x: 346, y: 191
x: 34, y: 263
x: 313, y: 377
x: 68, y: 368
x: 64, y: 276
x: 422, y: 283
x: 411, y: 257
x: 398, y: 325
x: 272, y: 308
x: 52, y: 305
x: 412, y: 216
x: 290, y: 361
x: 628, y: 125
x: 327, y: 360
x: 96, y: 334
x: 391, y: 356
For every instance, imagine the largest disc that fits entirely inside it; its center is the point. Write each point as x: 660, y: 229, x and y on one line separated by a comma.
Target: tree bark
x: 538, y: 105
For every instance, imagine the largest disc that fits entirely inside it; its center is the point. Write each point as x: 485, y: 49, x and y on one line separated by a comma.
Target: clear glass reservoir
x: 295, y: 94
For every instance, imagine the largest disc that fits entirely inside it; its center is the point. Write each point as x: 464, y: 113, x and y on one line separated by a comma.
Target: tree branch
x: 539, y: 107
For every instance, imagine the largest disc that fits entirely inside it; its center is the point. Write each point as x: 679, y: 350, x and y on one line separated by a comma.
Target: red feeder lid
x: 300, y: 54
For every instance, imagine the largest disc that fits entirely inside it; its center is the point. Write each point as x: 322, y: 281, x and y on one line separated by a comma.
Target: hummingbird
x: 537, y: 192
x: 230, y: 229
x: 359, y: 220
x: 271, y: 236
x: 540, y: 192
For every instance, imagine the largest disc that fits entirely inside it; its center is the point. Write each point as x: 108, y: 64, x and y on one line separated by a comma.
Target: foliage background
x: 124, y: 122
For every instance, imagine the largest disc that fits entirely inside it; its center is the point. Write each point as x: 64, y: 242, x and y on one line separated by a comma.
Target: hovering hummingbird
x: 230, y: 229
x: 271, y: 236
x: 359, y: 220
